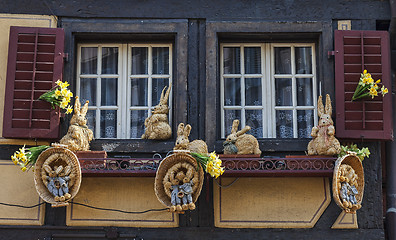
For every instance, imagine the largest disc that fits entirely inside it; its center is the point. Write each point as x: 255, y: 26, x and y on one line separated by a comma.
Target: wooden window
x: 354, y: 52
x: 123, y: 83
x: 270, y: 87
x: 35, y: 62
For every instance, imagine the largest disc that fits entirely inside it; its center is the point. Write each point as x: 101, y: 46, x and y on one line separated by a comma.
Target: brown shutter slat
x: 354, y: 52
x: 35, y: 63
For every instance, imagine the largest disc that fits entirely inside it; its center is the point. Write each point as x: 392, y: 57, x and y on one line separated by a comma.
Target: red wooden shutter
x: 35, y: 62
x: 354, y: 52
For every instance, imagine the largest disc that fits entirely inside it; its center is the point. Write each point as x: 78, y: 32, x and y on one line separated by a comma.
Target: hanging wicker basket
x: 356, y: 164
x: 57, y: 156
x: 167, y: 163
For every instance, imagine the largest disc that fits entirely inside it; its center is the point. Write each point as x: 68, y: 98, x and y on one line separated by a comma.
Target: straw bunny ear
x: 329, y: 108
x: 77, y: 106
x: 187, y: 130
x: 164, y: 98
x: 243, y: 131
x: 180, y: 129
x: 84, y: 109
x: 234, y: 127
x: 320, y: 106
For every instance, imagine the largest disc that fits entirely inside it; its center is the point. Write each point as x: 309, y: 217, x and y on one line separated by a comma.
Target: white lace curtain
x: 283, y: 90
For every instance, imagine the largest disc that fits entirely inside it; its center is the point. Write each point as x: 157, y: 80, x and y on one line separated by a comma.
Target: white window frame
x: 124, y: 85
x: 268, y: 77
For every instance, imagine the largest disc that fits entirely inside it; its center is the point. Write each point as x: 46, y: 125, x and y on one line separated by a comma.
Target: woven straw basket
x: 356, y: 164
x: 167, y: 163
x: 67, y: 157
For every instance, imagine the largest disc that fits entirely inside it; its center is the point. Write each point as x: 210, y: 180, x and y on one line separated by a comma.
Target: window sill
x: 132, y: 145
x: 235, y: 166
x: 276, y: 145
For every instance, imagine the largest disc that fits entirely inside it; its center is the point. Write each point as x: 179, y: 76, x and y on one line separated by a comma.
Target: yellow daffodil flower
x: 373, y: 92
x: 64, y: 92
x: 57, y: 92
x: 63, y: 104
x: 59, y: 82
x: 65, y: 84
x: 384, y: 90
x: 69, y: 110
x: 23, y: 169
x: 69, y: 94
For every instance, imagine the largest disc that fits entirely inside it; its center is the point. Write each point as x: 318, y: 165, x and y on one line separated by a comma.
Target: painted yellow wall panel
x: 270, y: 202
x: 128, y: 194
x: 18, y: 187
x: 7, y: 20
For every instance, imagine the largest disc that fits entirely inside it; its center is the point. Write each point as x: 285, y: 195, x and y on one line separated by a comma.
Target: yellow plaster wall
x: 18, y: 187
x: 128, y: 194
x: 270, y: 202
x: 7, y: 20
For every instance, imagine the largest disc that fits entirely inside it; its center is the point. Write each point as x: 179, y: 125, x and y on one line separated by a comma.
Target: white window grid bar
x: 98, y: 107
x: 149, y: 77
x: 267, y: 98
x: 123, y: 86
x: 293, y: 76
x: 242, y: 76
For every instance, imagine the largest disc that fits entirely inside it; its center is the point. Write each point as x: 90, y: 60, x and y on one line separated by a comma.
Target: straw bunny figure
x: 157, y: 126
x: 182, y: 142
x: 324, y: 141
x: 79, y: 135
x: 245, y: 143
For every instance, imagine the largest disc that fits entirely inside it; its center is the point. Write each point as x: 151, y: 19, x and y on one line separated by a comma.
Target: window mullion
x: 264, y: 88
x: 150, y: 80
x: 314, y: 87
x: 222, y: 118
x: 243, y: 113
x: 170, y: 104
x: 294, y: 91
x: 271, y: 73
x: 98, y: 91
x: 123, y: 89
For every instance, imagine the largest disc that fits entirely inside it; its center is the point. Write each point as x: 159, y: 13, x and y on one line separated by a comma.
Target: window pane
x: 89, y: 60
x: 137, y: 123
x: 108, y: 124
x: 253, y: 91
x: 229, y: 117
x: 232, y: 60
x: 109, y: 60
x: 252, y: 60
x: 109, y: 91
x: 254, y: 119
x: 158, y: 85
x: 88, y: 90
x: 91, y: 119
x: 160, y: 60
x: 304, y: 92
x: 283, y: 92
x: 284, y: 124
x: 232, y: 92
x: 139, y: 92
x: 305, y: 120
x: 282, y: 60
x: 303, y: 60
x: 139, y: 60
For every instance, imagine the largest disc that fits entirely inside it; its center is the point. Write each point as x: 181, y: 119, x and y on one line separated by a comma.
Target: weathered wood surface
x: 274, y: 10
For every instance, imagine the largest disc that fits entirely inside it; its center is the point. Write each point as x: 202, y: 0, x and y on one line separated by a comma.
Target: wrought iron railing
x: 294, y: 166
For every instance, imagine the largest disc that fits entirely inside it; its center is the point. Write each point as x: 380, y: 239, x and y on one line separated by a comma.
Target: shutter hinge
x: 65, y: 56
x: 330, y: 53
